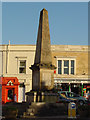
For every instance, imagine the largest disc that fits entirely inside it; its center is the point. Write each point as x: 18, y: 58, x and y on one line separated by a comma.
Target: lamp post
x: 82, y: 89
x: 69, y: 88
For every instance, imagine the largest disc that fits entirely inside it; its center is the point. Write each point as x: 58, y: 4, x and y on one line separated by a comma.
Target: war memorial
x: 42, y: 96
x: 43, y: 69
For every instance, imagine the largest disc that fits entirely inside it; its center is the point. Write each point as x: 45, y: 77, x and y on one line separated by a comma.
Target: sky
x: 68, y: 22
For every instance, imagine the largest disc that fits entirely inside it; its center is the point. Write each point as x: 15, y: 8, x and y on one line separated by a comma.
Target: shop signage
x: 9, y: 83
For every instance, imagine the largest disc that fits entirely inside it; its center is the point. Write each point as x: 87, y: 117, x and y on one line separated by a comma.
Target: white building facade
x: 16, y: 60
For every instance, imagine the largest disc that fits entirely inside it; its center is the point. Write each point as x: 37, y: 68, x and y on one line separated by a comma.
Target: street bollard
x: 42, y: 96
x: 35, y: 94
x: 71, y: 110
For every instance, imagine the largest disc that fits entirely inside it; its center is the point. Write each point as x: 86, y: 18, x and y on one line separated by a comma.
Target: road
x: 54, y: 118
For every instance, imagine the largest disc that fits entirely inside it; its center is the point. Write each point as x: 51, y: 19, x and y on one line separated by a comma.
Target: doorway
x: 75, y: 88
x: 21, y: 91
x: 9, y: 95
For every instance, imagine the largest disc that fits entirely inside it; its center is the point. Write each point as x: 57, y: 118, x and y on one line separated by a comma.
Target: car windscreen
x: 71, y: 94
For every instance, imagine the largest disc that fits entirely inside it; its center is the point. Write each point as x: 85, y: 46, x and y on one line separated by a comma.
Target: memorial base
x: 38, y: 96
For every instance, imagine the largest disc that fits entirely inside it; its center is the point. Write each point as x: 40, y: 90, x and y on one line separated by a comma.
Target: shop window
x: 66, y: 67
x: 22, y: 66
x: 10, y: 94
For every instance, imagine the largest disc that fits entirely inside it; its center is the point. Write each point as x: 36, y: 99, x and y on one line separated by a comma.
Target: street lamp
x: 82, y: 88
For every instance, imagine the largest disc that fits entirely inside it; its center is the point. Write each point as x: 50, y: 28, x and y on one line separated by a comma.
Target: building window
x: 22, y: 66
x: 72, y: 67
x: 66, y: 67
x: 59, y: 66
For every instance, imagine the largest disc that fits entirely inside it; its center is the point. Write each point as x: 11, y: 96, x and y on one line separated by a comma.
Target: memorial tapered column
x: 43, y: 70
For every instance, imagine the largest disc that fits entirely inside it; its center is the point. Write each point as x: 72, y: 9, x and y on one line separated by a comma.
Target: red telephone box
x: 9, y: 89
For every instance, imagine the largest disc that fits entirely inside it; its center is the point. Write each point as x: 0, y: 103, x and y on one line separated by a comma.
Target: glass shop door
x: 10, y: 95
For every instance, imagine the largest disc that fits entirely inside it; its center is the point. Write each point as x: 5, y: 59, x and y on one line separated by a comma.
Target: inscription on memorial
x: 46, y: 79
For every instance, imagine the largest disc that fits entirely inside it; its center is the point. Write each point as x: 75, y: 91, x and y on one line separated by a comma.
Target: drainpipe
x: 7, y: 59
x: 2, y: 63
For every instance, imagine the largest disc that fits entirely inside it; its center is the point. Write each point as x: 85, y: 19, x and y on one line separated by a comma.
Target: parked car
x: 71, y: 97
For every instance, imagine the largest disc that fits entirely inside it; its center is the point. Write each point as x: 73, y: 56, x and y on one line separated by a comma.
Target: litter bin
x: 71, y: 110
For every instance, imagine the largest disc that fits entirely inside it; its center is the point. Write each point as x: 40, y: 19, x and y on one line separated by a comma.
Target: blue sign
x: 73, y: 105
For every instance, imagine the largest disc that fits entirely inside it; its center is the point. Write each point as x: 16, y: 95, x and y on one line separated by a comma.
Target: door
x: 21, y: 96
x: 9, y: 95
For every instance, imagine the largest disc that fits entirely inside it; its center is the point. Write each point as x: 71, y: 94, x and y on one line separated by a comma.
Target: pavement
x: 52, y: 118
x: 46, y: 117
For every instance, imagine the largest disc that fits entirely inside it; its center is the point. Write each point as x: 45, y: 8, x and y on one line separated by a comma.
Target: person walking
x: 15, y: 98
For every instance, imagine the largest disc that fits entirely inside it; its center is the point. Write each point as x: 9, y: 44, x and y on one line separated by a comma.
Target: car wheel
x: 81, y: 102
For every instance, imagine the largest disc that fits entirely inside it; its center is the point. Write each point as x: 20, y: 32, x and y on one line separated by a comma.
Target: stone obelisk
x: 42, y: 69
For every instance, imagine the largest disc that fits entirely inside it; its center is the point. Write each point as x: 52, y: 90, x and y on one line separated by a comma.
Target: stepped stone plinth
x: 43, y: 109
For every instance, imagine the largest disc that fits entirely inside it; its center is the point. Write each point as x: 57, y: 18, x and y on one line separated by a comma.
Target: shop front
x: 9, y: 89
x: 86, y: 91
x: 81, y: 87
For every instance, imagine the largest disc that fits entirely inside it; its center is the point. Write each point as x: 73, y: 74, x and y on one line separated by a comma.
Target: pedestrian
x: 15, y: 98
